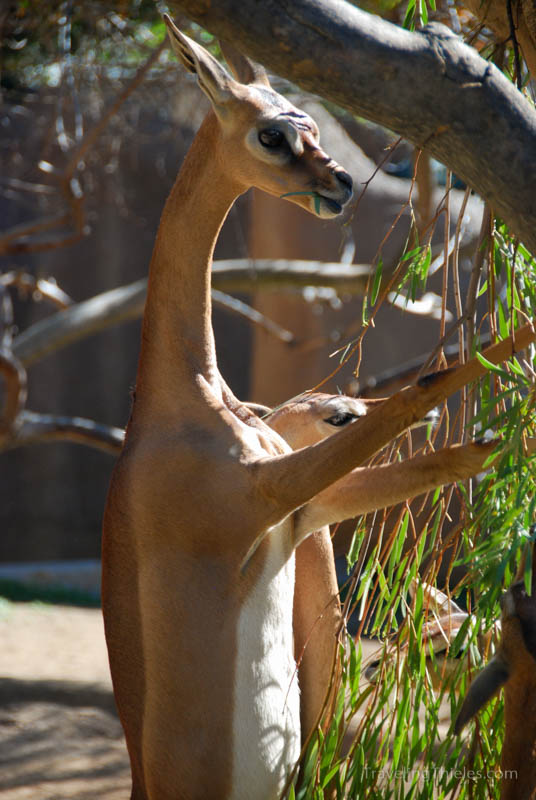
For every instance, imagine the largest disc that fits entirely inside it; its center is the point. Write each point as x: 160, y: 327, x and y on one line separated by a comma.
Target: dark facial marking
x: 294, y: 116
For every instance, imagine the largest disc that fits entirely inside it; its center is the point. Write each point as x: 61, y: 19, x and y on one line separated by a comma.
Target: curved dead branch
x: 33, y: 428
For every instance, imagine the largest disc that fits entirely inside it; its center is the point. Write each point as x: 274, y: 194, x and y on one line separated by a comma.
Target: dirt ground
x: 59, y: 734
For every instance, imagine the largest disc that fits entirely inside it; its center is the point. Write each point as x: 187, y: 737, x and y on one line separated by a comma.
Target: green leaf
x: 377, y: 282
x: 331, y: 774
x: 410, y: 16
x: 503, y: 322
x: 424, y: 12
x: 493, y: 367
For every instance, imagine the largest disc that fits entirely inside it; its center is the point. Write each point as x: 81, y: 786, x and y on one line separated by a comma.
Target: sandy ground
x: 59, y: 734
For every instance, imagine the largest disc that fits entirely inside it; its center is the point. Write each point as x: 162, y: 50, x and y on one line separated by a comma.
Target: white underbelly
x: 266, y: 722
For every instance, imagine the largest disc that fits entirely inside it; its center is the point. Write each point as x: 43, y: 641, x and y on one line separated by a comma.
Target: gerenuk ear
x: 244, y: 69
x: 486, y: 684
x: 213, y: 79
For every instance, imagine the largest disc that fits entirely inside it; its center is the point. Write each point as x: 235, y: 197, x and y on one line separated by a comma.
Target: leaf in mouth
x: 317, y: 198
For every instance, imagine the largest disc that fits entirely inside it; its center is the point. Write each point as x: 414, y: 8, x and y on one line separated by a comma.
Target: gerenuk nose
x: 344, y: 178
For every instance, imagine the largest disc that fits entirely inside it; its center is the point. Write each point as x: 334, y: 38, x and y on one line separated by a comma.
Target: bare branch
x: 93, y: 134
x: 252, y: 315
x: 26, y: 186
x: 495, y: 15
x: 429, y: 305
x: 18, y: 232
x: 47, y: 288
x: 43, y: 244
x: 79, y: 321
x: 390, y: 380
x: 127, y: 302
x: 247, y: 275
x: 35, y: 428
x: 15, y: 240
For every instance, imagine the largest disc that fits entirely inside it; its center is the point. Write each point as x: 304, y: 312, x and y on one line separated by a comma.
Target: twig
x: 445, y: 262
x: 78, y: 321
x: 515, y: 44
x: 472, y: 292
x: 356, y: 346
x: 440, y: 345
x: 47, y: 288
x: 26, y: 228
x: 425, y: 185
x: 387, y: 157
x: 252, y: 315
x: 93, y: 134
x: 42, y: 245
x: 389, y: 380
x: 26, y: 186
x: 456, y: 272
x: 14, y: 240
x: 246, y: 275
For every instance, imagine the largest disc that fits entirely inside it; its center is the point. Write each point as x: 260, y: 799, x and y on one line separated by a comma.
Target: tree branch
x: 15, y: 239
x: 46, y: 288
x: 427, y: 86
x: 93, y: 134
x: 494, y: 14
x: 126, y: 302
x: 35, y: 428
x: 23, y: 230
x: 247, y: 275
x: 252, y: 315
x: 80, y: 320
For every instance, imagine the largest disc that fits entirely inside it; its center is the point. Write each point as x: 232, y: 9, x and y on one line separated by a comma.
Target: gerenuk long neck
x: 177, y: 337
